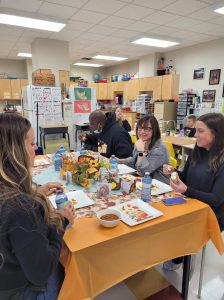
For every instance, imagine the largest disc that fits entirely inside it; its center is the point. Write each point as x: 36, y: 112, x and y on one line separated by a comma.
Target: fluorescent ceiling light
x: 106, y: 57
x: 154, y: 42
x: 23, y: 54
x: 220, y: 10
x: 30, y: 23
x: 87, y: 65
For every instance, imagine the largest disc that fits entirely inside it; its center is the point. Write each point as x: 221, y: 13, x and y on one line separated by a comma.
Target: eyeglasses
x: 146, y: 129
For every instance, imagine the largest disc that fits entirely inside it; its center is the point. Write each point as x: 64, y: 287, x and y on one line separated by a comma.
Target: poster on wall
x: 214, y: 76
x: 208, y: 96
x: 83, y: 107
x: 199, y: 73
x: 82, y: 93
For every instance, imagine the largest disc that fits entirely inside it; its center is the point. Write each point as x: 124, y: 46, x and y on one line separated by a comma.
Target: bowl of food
x: 109, y: 217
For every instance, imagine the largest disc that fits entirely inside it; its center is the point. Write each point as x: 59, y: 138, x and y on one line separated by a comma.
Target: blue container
x: 146, y: 187
x: 61, y: 199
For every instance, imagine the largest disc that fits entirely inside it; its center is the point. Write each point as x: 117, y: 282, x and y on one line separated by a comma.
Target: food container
x: 109, y: 217
x: 103, y: 189
x: 128, y: 184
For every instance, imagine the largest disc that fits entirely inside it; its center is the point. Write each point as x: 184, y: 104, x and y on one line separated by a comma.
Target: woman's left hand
x: 68, y: 212
x: 49, y: 188
x: 178, y: 187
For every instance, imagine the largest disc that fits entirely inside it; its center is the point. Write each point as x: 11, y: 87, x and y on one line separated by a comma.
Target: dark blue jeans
x: 52, y: 290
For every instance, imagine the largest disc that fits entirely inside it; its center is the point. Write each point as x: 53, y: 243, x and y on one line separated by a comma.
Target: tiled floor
x: 213, y: 282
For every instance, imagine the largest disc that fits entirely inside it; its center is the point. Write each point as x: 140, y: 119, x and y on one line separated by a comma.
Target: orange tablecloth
x: 98, y: 258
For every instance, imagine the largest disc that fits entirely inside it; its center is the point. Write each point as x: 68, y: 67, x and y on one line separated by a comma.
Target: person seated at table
x: 108, y: 137
x: 30, y: 228
x: 149, y: 152
x: 203, y: 174
x: 190, y: 130
x: 119, y: 112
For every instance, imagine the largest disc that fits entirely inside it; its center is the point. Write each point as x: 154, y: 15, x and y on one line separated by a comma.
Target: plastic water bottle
x: 61, y: 199
x: 57, y: 158
x: 83, y: 151
x: 113, y: 164
x: 57, y: 161
x: 146, y: 187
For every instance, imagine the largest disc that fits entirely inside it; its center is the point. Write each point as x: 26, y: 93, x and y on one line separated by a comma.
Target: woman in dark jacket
x: 30, y: 229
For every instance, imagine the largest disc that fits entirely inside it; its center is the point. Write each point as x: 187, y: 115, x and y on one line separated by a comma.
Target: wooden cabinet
x: 64, y: 78
x: 153, y: 85
x: 5, y: 89
x: 102, y: 91
x: 131, y: 89
x: 10, y: 89
x: 170, y: 86
x: 159, y: 87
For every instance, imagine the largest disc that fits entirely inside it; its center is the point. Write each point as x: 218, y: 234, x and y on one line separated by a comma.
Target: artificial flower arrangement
x: 84, y: 170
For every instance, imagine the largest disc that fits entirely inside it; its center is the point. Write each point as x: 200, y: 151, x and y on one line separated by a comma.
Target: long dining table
x: 96, y: 258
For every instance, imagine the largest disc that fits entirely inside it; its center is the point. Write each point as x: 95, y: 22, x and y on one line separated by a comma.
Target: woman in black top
x: 30, y: 229
x: 120, y: 118
x: 203, y: 174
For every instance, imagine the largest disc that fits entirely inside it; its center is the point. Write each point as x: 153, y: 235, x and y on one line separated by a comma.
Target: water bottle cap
x: 146, y: 173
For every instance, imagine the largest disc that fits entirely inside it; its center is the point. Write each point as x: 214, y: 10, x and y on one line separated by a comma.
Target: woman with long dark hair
x: 30, y: 228
x: 149, y: 153
x: 203, y: 174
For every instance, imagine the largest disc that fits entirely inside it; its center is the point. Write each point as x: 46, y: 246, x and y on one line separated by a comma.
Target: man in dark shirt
x: 108, y: 137
x: 190, y: 130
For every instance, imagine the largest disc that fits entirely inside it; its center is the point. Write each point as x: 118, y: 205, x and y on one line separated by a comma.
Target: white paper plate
x: 41, y: 162
x: 158, y: 187
x: 80, y: 196
x: 123, y: 169
x: 129, y: 219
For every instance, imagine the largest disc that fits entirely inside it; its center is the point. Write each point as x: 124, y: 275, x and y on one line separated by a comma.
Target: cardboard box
x: 43, y: 79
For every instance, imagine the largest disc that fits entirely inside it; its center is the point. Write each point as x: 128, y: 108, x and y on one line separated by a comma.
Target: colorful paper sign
x: 82, y: 106
x: 82, y: 93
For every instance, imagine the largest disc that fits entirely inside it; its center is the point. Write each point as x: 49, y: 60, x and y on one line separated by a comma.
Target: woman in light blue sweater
x: 149, y: 153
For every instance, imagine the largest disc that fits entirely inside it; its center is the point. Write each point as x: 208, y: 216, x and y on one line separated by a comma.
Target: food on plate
x: 134, y: 212
x: 109, y: 217
x: 154, y: 187
x: 174, y: 177
x: 74, y: 202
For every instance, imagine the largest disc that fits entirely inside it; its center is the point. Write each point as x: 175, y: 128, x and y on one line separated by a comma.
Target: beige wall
x: 128, y: 67
x: 87, y: 72
x: 13, y: 67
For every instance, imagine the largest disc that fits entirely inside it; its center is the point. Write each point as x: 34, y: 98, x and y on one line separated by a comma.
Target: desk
x: 53, y: 129
x: 185, y: 143
x: 98, y: 258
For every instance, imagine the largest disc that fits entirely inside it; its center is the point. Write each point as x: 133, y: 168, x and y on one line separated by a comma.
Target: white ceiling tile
x: 183, y: 23
x: 11, y: 30
x: 105, y: 6
x: 204, y: 27
x: 67, y: 35
x: 154, y: 3
x: 36, y: 33
x: 210, y: 1
x: 160, y: 18
x: 31, y: 5
x: 219, y: 31
x: 141, y: 26
x: 57, y: 10
x: 100, y: 29
x: 116, y: 22
x: 218, y: 21
x: 184, y: 7
x: 126, y: 33
x: 72, y: 3
x: 78, y: 25
x: 134, y: 12
x: 163, y: 30
x: 92, y: 36
x: 204, y: 14
x: 90, y: 16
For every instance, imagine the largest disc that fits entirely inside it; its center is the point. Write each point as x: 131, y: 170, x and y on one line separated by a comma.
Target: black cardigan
x: 205, y: 185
